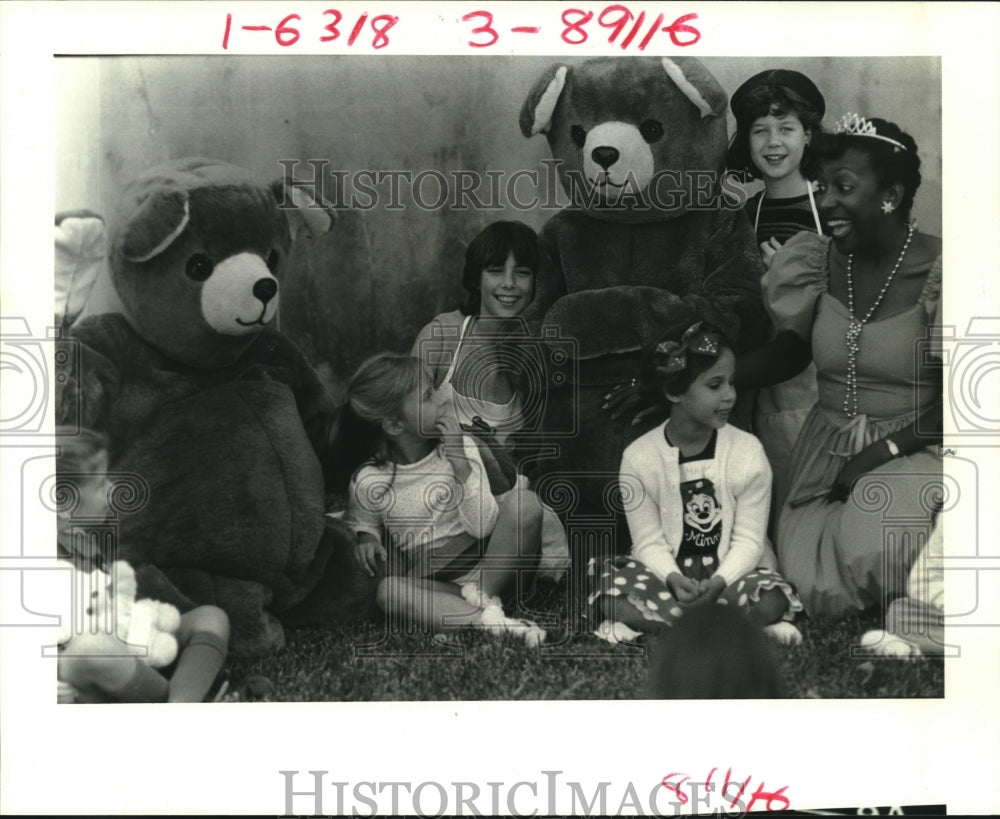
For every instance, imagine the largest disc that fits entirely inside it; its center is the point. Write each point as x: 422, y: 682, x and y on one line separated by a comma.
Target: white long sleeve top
x: 650, y: 481
x: 422, y: 505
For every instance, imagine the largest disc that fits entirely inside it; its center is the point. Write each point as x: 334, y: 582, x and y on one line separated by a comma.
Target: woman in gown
x: 861, y: 303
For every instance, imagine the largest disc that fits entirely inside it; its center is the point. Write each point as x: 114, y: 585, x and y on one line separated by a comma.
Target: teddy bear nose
x: 264, y: 289
x: 605, y: 156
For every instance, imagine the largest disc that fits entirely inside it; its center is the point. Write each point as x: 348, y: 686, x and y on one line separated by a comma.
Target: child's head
x: 390, y: 394
x: 792, y: 106
x: 713, y: 652
x: 81, y: 474
x: 498, y: 246
x: 694, y: 371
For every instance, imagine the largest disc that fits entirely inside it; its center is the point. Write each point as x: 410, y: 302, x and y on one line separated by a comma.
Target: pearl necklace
x: 853, y: 335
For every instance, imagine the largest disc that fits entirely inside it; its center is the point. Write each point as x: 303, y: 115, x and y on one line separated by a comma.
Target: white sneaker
x: 614, y: 632
x: 888, y: 645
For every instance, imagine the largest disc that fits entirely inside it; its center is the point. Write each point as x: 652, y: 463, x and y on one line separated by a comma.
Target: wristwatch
x: 891, y: 446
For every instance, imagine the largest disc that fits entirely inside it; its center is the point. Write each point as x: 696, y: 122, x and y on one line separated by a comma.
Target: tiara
x: 857, y: 125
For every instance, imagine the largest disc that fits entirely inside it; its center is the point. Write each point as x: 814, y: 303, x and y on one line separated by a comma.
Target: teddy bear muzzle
x: 241, y: 295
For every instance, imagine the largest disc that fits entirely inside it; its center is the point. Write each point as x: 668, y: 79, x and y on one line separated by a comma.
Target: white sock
x: 615, y: 632
x: 783, y: 633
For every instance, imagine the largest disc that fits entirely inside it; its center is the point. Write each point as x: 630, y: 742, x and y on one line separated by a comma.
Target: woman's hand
x: 767, y: 251
x: 867, y: 460
x: 369, y: 554
x: 629, y: 397
x: 683, y: 588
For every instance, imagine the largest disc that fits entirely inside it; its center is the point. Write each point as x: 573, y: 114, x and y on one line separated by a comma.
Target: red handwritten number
x: 225, y: 36
x: 357, y: 28
x: 485, y: 28
x: 285, y: 34
x: 332, y: 27
x: 649, y: 34
x: 760, y: 793
x: 583, y: 17
x: 676, y: 788
x: 382, y: 31
x: 679, y: 27
x: 617, y: 24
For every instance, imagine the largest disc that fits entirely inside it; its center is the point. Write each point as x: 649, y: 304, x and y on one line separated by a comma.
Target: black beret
x: 774, y: 77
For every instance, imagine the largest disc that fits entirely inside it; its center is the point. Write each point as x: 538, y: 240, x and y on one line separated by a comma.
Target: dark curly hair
x: 891, y: 164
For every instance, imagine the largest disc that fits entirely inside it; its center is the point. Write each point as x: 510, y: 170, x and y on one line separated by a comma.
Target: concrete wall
x: 382, y: 273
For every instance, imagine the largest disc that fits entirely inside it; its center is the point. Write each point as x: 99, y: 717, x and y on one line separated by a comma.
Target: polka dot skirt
x: 630, y: 579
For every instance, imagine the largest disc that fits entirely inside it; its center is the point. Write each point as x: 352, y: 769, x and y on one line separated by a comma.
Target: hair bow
x: 672, y: 356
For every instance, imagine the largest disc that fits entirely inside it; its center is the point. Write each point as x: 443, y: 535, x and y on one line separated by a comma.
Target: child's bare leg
x: 203, y: 638
x: 428, y: 603
x: 517, y: 534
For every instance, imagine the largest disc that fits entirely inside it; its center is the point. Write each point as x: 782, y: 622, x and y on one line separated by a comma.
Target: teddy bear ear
x: 154, y: 225
x: 536, y: 113
x: 697, y: 84
x: 303, y: 210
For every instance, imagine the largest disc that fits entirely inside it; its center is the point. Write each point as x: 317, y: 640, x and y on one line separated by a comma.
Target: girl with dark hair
x: 778, y: 113
x: 861, y: 304
x: 471, y: 352
x: 696, y: 493
x: 487, y: 366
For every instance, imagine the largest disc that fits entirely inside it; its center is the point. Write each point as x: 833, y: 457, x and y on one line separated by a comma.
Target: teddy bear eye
x: 199, y: 267
x: 651, y: 130
x: 579, y: 135
x: 272, y: 260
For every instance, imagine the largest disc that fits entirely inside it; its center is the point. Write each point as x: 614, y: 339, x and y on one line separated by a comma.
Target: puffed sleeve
x: 795, y: 281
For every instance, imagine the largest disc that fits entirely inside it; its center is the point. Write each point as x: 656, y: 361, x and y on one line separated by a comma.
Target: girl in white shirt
x: 422, y: 509
x: 696, y: 494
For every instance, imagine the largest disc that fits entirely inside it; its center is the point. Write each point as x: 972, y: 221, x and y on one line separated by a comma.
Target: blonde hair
x: 375, y: 392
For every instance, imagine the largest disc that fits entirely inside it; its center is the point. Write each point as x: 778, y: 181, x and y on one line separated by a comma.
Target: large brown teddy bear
x: 648, y: 244
x: 202, y: 398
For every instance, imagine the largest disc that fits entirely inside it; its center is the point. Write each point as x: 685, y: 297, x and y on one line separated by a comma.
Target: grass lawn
x: 362, y: 663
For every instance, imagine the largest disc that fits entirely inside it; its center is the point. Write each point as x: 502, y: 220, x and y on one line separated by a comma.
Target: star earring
x: 888, y: 207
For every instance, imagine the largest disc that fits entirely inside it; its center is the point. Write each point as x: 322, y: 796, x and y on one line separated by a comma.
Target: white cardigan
x: 650, y: 483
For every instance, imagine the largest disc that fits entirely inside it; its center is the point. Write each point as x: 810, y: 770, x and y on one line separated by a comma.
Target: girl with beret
x: 858, y: 303
x: 778, y: 112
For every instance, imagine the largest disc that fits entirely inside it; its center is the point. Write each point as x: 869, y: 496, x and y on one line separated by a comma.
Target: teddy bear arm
x: 313, y: 401
x: 550, y: 281
x: 731, y: 287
